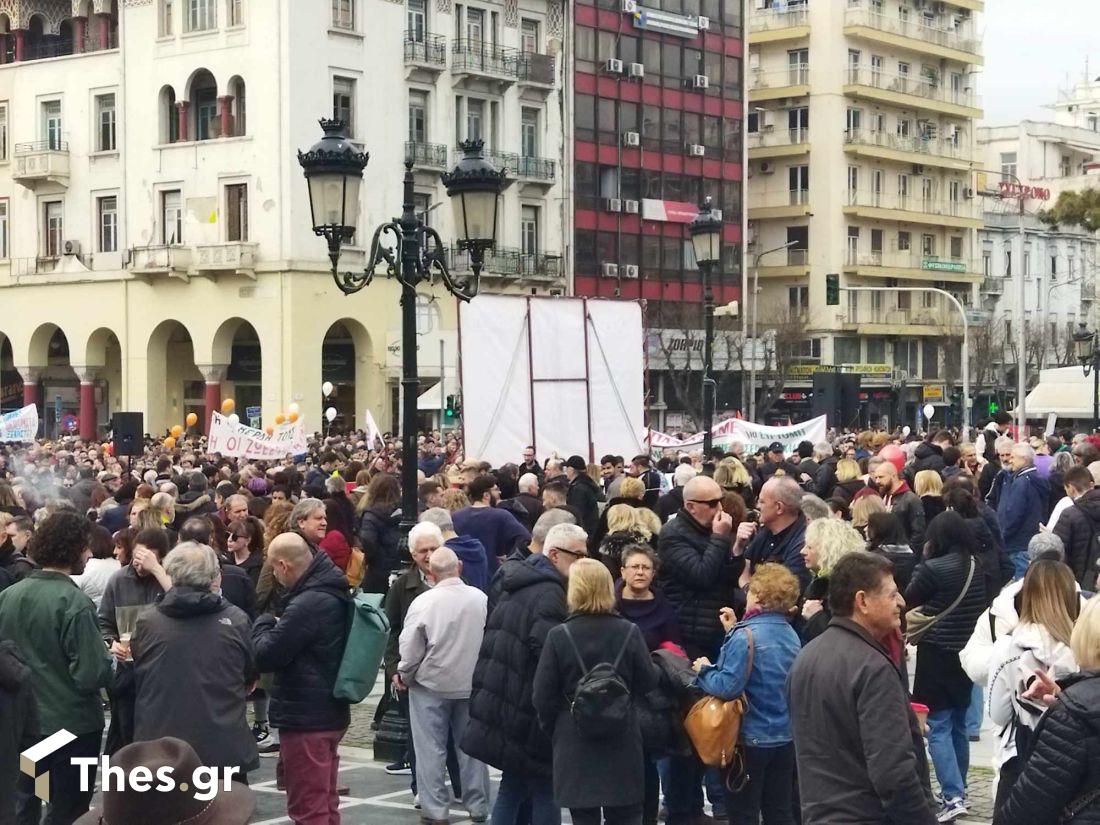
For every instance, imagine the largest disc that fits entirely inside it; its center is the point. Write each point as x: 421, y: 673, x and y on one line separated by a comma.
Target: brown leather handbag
x: 713, y: 724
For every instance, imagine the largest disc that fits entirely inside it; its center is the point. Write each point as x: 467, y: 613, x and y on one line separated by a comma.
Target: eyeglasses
x: 574, y: 553
x: 709, y: 502
x: 638, y: 568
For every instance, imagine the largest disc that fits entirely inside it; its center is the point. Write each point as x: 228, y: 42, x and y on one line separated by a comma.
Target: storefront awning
x: 429, y: 399
x: 1065, y: 391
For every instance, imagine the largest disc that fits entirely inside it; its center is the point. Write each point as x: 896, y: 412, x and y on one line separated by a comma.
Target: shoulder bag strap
x: 962, y: 593
x: 622, y: 650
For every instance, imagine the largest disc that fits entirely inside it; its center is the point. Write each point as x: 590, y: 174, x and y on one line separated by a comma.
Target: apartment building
x: 156, y: 250
x: 860, y: 148
x: 658, y: 116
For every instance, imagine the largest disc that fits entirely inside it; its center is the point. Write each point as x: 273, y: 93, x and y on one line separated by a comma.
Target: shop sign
x: 933, y: 392
x: 668, y: 211
x: 936, y: 265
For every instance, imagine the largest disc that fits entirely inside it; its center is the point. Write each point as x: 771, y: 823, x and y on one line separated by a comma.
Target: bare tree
x: 785, y: 335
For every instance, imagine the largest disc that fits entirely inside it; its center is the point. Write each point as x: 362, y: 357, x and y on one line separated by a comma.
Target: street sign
x: 253, y: 416
x: 57, y: 408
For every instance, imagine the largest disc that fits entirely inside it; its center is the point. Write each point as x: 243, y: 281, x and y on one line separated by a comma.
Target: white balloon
x: 929, y: 411
x: 327, y: 388
x: 234, y: 419
x: 330, y: 414
x: 294, y: 408
x: 906, y: 430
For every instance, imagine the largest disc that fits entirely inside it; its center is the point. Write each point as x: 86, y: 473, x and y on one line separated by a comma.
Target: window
x: 4, y: 228
x: 343, y: 102
x: 876, y: 69
x: 853, y: 246
x: 426, y: 314
x: 529, y: 230
x: 799, y: 183
x: 876, y: 349
x: 928, y: 246
x: 205, y: 102
x: 529, y: 133
x: 107, y: 212
x: 930, y: 357
x: 928, y: 193
x: 52, y: 224
x: 987, y: 264
x: 105, y: 123
x: 846, y: 351
x: 878, y: 176
x: 167, y: 17
x: 529, y: 36
x: 418, y: 116
x: 853, y: 183
x: 3, y: 133
x: 903, y: 76
x: 202, y: 15
x: 416, y: 17
x: 51, y: 123
x: 853, y: 65
x: 903, y: 191
x: 905, y: 127
x: 853, y: 120
x: 422, y: 205
x: 1008, y: 165
x: 475, y: 119
x: 798, y: 67
x: 904, y: 241
x: 1065, y: 166
x: 343, y: 14
x: 1008, y: 262
x: 475, y: 26
x: 798, y: 300
x: 171, y: 217
x: 235, y: 12
x: 236, y: 212
x: 956, y: 248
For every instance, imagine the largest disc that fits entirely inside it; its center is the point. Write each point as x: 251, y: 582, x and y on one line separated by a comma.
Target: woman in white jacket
x: 1049, y: 606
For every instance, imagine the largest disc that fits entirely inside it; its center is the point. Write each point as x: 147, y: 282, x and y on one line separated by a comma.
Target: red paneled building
x: 657, y: 126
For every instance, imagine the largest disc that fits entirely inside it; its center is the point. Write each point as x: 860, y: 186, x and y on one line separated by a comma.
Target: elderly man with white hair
x: 470, y: 551
x: 1021, y: 504
x: 528, y: 496
x: 194, y: 666
x: 439, y: 647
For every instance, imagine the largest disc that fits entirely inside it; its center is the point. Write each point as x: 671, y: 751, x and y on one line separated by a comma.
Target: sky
x: 1030, y: 47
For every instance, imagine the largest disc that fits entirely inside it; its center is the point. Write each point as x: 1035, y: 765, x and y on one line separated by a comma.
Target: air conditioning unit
x: 630, y: 6
x: 71, y: 247
x: 610, y: 270
x: 631, y: 139
x: 968, y: 193
x: 704, y: 23
x: 612, y: 205
x: 767, y: 167
x: 613, y: 66
x: 630, y: 271
x: 717, y: 213
x: 767, y: 120
x: 630, y: 206
x: 636, y: 70
x: 700, y: 81
x: 696, y: 150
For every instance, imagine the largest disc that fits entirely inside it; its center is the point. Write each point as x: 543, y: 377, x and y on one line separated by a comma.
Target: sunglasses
x: 709, y: 502
x: 231, y: 536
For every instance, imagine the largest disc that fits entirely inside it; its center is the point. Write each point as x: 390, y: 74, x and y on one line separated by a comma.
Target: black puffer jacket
x: 379, y: 539
x: 1076, y: 527
x: 585, y: 497
x: 936, y: 583
x: 503, y: 730
x: 1065, y: 760
x: 699, y: 577
x: 304, y: 649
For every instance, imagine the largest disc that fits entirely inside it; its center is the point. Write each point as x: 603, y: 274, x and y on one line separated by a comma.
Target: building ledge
x: 915, y: 44
x: 763, y: 213
x: 879, y: 213
x: 783, y: 151
x: 777, y: 92
x: 794, y: 271
x: 869, y: 150
x: 778, y: 35
x: 910, y: 101
x: 911, y: 274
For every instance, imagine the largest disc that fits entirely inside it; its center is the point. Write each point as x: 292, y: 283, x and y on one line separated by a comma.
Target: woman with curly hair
x: 276, y: 520
x: 828, y: 540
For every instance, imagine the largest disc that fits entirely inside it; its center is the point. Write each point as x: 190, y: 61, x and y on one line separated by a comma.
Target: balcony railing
x: 911, y: 259
x: 41, y: 160
x: 425, y: 49
x: 536, y: 168
x: 232, y: 256
x: 936, y: 147
x: 887, y: 312
x: 797, y: 75
x: 913, y: 203
x: 57, y: 47
x: 960, y: 38
x: 798, y: 257
x: 917, y: 86
x: 535, y: 265
x: 778, y: 137
x: 780, y: 198
x: 478, y: 57
x: 430, y: 155
x: 500, y: 262
x: 536, y: 68
x: 994, y: 286
x: 160, y: 259
x: 772, y: 19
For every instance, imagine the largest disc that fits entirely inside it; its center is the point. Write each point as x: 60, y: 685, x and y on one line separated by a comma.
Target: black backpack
x: 601, y: 706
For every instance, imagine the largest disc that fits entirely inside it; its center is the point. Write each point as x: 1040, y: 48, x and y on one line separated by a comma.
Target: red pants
x: 310, y: 761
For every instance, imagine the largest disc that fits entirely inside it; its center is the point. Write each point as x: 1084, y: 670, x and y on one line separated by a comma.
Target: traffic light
x: 993, y: 406
x: 449, y: 411
x: 832, y: 290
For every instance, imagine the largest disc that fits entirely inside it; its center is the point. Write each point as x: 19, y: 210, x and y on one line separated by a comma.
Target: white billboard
x: 565, y: 375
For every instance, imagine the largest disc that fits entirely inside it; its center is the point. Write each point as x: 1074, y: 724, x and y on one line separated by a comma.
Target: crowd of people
x: 865, y: 602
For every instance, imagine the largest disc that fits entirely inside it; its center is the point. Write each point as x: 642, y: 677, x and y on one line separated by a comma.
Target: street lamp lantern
x: 334, y: 174
x: 1083, y: 339
x: 706, y: 234
x: 474, y: 187
x: 1088, y: 353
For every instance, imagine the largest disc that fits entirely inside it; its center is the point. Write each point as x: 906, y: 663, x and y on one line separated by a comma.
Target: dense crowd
x: 846, y: 614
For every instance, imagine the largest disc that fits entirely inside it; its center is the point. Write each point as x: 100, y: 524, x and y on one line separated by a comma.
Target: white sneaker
x: 269, y: 744
x: 951, y: 810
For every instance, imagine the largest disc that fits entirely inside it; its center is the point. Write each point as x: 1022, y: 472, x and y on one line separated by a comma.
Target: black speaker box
x: 128, y: 429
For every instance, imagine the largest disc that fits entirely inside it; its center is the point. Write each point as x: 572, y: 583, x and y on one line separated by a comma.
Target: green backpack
x: 368, y: 632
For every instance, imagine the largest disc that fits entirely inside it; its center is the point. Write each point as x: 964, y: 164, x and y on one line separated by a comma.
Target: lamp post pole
x: 746, y: 338
x: 706, y: 242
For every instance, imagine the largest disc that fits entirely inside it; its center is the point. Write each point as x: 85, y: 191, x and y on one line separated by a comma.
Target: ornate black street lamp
x: 1088, y: 353
x: 706, y: 240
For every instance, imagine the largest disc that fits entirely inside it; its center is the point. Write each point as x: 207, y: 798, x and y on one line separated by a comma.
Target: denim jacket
x: 767, y: 722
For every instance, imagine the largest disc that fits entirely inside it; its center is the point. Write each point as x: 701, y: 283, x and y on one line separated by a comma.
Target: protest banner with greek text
x: 241, y: 441
x: 20, y: 425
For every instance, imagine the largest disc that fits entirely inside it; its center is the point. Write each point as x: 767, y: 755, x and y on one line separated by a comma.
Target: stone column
x: 32, y: 389
x: 80, y: 28
x: 104, y: 30
x: 181, y: 119
x: 213, y: 374
x: 19, y: 36
x: 87, y: 414
x: 225, y: 115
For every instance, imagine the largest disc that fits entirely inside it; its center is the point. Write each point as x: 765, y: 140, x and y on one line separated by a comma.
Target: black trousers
x: 67, y: 801
x: 768, y: 788
x: 621, y: 815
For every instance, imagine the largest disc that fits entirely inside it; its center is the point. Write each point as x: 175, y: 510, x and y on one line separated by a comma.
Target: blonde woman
x: 732, y: 477
x: 848, y: 480
x: 633, y: 488
x: 604, y: 775
x: 929, y: 486
x: 828, y: 540
x: 623, y: 529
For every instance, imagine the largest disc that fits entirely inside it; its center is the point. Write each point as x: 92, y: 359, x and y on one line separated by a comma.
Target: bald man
x: 902, y: 502
x: 303, y: 649
x: 439, y: 645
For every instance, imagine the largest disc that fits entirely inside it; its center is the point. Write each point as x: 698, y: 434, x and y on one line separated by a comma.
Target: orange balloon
x: 170, y: 442
x: 177, y: 431
x: 280, y: 418
x: 269, y: 430
x: 192, y: 419
x: 292, y: 417
x: 228, y: 405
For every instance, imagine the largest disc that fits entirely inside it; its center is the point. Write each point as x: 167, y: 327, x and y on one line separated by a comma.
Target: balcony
x: 942, y: 153
x: 995, y: 286
x: 961, y: 214
x: 797, y: 265
x: 794, y: 203
x: 912, y: 265
x: 793, y: 81
x: 922, y: 92
x: 430, y: 156
x: 866, y: 316
x: 957, y: 44
x: 59, y: 47
x: 771, y: 142
x: 171, y: 261
x: 537, y: 72
x: 536, y: 171
x: 538, y: 267
x: 232, y: 257
x: 775, y: 25
x: 478, y: 59
x: 499, y: 263
x: 44, y: 161
x: 423, y: 51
